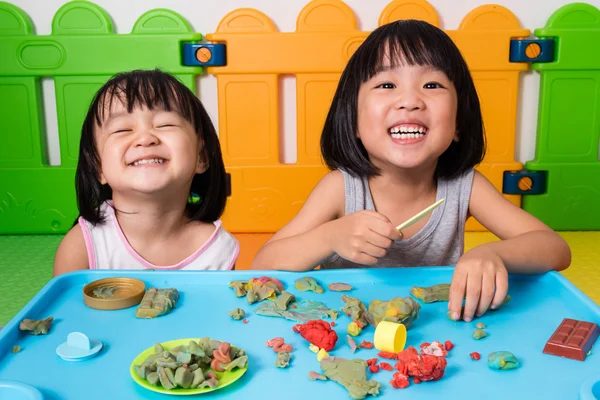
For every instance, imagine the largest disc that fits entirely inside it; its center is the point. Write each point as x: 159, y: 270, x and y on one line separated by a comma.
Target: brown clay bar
x: 572, y: 339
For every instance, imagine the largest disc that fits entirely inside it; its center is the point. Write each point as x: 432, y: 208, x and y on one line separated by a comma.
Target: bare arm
x: 303, y: 243
x: 71, y: 254
x: 528, y: 245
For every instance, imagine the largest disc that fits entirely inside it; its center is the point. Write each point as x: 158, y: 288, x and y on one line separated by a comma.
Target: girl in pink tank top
x: 151, y: 184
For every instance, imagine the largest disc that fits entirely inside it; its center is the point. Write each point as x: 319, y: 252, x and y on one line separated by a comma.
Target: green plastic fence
x: 569, y: 122
x: 80, y: 55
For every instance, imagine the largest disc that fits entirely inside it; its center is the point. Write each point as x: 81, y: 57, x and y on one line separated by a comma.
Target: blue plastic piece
x: 536, y: 184
x: 78, y: 347
x: 14, y: 390
x: 590, y: 389
x: 204, y: 54
x: 518, y: 50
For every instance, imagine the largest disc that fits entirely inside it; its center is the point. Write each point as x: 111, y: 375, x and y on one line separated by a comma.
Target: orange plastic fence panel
x: 263, y: 199
x: 266, y: 193
x: 399, y: 10
x: 249, y: 119
x: 314, y: 93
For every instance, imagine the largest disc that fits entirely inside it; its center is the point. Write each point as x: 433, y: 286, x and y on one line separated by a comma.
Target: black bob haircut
x: 414, y: 43
x: 153, y: 89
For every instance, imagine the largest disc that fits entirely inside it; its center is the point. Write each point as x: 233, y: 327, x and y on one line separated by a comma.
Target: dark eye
x: 386, y: 85
x: 433, y: 85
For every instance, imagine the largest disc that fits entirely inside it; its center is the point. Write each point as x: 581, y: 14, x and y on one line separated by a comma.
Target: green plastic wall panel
x: 568, y: 132
x: 80, y: 55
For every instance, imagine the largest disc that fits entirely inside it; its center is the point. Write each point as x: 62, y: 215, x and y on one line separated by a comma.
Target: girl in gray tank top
x: 439, y: 242
x: 405, y: 127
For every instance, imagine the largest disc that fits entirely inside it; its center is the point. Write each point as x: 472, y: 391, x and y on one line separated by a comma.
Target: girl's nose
x: 410, y: 101
x: 146, y: 138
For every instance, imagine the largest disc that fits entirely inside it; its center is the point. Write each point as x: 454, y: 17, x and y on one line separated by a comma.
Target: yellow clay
x: 322, y: 354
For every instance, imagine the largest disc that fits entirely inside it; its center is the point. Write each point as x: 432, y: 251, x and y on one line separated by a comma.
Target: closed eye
x: 433, y: 85
x: 385, y: 85
x: 122, y: 130
x: 165, y: 125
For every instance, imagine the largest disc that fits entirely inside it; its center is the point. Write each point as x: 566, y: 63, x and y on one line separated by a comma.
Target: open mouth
x: 407, y: 131
x: 148, y: 161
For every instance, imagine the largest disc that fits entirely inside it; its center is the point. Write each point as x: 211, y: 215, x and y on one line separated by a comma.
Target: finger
x: 385, y: 229
x: 457, y: 293
x: 395, y: 234
x: 473, y: 294
x: 487, y: 293
x: 376, y: 215
x: 363, y: 259
x: 373, y: 251
x: 501, y: 288
x: 378, y: 240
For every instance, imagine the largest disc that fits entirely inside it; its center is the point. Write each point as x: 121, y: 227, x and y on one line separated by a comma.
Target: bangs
x: 403, y: 43
x: 150, y: 89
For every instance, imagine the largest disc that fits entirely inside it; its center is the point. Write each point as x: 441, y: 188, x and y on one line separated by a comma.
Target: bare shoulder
x: 197, y: 233
x: 334, y: 178
x: 327, y: 197
x: 331, y: 184
x: 72, y: 253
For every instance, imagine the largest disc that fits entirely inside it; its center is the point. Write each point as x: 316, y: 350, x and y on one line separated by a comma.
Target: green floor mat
x: 25, y: 267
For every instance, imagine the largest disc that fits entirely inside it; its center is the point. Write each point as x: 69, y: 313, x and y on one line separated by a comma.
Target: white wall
x: 204, y: 16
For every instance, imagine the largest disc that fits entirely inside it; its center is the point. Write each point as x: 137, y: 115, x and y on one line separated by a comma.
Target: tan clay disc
x: 128, y: 293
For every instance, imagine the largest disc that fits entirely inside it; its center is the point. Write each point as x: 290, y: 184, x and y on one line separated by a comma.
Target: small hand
x: 481, y: 274
x: 363, y: 237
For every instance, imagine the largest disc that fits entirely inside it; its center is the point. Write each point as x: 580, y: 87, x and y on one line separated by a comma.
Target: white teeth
x: 406, y: 129
x: 149, y: 161
x: 407, y: 135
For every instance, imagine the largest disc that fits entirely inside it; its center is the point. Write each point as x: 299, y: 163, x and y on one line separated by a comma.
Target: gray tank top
x: 439, y: 242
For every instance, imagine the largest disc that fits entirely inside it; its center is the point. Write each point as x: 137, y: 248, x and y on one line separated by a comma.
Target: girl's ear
x: 102, y: 179
x: 456, y: 137
x: 202, y: 164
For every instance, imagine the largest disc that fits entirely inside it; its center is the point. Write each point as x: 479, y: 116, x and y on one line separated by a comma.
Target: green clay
x: 352, y: 375
x: 307, y: 283
x: 36, y: 327
x: 502, y: 360
x: 431, y: 294
x: 283, y: 359
x: 237, y: 314
x: 479, y: 334
x: 284, y: 300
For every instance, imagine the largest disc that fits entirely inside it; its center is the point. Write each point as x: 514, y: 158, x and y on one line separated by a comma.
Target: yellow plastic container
x: 390, y: 337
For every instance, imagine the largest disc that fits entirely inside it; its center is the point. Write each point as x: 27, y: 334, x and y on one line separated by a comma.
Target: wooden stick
x: 420, y: 215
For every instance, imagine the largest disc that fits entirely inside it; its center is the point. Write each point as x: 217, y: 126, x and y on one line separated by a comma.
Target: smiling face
x: 406, y: 115
x: 147, y: 151
x: 406, y: 75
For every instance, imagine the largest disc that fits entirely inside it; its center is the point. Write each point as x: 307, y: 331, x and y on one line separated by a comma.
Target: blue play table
x: 539, y: 303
